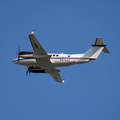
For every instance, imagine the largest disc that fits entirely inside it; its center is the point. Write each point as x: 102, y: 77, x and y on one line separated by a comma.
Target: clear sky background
x: 91, y: 91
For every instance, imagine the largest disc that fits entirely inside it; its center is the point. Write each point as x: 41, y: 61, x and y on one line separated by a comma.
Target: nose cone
x: 15, y: 61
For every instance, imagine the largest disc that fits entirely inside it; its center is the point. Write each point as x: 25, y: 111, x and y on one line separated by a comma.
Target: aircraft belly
x: 83, y: 60
x: 68, y: 62
x: 64, y: 62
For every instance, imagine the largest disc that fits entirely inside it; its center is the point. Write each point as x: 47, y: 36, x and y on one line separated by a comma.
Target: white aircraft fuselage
x: 40, y: 61
x: 58, y: 60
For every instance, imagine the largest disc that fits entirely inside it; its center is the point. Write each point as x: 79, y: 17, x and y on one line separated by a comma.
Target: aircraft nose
x: 15, y: 61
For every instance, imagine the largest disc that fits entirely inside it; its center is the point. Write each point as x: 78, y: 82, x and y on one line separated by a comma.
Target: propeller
x: 27, y: 71
x: 18, y: 53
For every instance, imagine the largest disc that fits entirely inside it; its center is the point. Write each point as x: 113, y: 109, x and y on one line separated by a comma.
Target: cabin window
x: 57, y: 55
x: 68, y: 55
x: 54, y: 55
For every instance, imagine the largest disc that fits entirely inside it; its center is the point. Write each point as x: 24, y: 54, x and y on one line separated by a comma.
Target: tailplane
x: 97, y: 48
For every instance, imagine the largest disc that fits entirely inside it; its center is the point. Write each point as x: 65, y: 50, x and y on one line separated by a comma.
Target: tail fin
x: 97, y: 48
x: 99, y: 42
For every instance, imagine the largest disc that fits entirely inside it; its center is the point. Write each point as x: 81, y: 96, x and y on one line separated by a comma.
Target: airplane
x: 40, y: 61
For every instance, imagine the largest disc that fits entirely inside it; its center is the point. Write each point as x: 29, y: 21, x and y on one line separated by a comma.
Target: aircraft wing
x: 49, y: 68
x: 44, y: 62
x: 38, y: 49
x: 56, y: 76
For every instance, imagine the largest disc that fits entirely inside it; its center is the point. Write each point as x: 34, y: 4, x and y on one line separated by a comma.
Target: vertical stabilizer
x: 99, y: 42
x: 97, y: 48
x: 93, y: 52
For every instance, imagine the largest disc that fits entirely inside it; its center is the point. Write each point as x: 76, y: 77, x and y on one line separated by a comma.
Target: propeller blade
x: 18, y: 53
x: 27, y: 71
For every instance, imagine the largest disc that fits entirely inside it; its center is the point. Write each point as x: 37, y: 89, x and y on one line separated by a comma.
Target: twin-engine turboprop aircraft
x: 40, y: 61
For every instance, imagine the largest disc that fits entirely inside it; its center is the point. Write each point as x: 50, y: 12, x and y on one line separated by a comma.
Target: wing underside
x: 56, y: 76
x: 44, y: 62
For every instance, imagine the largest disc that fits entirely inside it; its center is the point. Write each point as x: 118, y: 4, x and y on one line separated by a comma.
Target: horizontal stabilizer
x: 106, y: 50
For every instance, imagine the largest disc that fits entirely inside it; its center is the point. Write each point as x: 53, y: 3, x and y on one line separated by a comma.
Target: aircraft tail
x: 97, y: 48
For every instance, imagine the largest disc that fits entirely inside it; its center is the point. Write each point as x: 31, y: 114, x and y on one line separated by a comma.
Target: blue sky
x: 91, y: 91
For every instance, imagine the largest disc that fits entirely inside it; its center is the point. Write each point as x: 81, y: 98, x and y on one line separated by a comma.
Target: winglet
x: 33, y: 32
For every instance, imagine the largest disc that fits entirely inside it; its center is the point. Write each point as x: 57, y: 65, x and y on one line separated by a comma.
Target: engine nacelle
x: 35, y: 69
x: 27, y: 54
